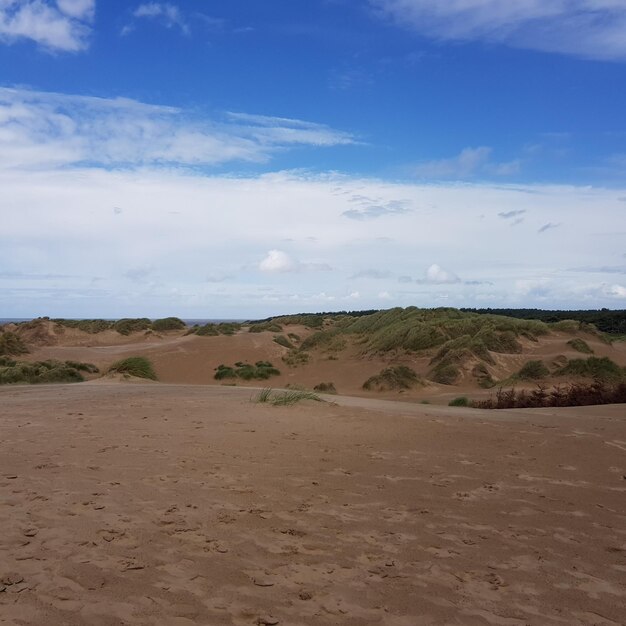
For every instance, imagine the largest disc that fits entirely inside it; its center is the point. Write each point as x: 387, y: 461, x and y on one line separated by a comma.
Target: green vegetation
x: 604, y: 320
x: 272, y: 327
x: 483, y: 376
x: 127, y: 326
x: 212, y: 330
x: 137, y: 366
x: 460, y: 401
x: 39, y: 372
x: 124, y: 326
x: 325, y: 388
x: 580, y: 346
x: 533, y: 370
x: 281, y: 340
x: 168, y: 323
x: 445, y: 374
x: 602, y: 369
x: 285, y: 398
x: 392, y: 378
x: 261, y: 370
x: 296, y: 357
x: 87, y: 326
x: 11, y: 344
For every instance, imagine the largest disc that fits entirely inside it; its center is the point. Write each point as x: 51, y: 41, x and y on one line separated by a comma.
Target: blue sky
x: 251, y: 158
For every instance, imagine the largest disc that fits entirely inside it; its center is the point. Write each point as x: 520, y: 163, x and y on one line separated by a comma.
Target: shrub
x: 11, y: 344
x: 212, y: 330
x: 575, y: 394
x: 261, y: 370
x: 12, y: 372
x: 137, y: 366
x: 460, y: 401
x: 445, y: 374
x: 281, y: 340
x: 266, y: 326
x: 580, y: 346
x: 296, y: 357
x: 126, y: 326
x: 593, y: 367
x: 208, y: 330
x: 392, y: 378
x: 482, y: 376
x: 533, y: 370
x: 87, y: 326
x: 325, y: 388
x: 168, y: 323
x: 90, y: 368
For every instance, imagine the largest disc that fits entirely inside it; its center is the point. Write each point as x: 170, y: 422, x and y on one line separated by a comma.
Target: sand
x: 155, y: 504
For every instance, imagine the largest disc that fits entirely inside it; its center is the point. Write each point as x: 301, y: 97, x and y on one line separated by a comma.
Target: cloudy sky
x: 243, y: 158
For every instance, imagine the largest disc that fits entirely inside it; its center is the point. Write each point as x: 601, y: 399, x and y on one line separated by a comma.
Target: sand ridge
x: 173, y: 504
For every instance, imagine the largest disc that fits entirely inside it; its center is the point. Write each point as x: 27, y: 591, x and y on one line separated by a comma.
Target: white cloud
x: 277, y: 261
x: 63, y: 26
x: 39, y: 129
x: 384, y: 295
x: 616, y: 291
x: 438, y: 276
x: 594, y: 29
x: 168, y: 14
x: 468, y: 163
x: 67, y: 250
x: 79, y: 9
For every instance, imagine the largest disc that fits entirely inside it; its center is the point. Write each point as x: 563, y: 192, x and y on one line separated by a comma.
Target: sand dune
x: 187, y: 505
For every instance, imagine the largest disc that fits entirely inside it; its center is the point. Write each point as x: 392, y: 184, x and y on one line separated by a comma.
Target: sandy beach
x: 187, y: 505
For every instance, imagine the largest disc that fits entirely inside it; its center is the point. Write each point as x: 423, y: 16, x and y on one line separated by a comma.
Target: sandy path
x: 182, y: 505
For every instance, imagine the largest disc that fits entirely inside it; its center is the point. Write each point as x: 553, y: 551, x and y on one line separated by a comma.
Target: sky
x: 244, y: 159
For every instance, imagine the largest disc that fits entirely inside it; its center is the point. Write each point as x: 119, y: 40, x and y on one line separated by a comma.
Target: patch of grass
x: 212, y: 330
x: 599, y: 368
x: 137, y: 366
x: 168, y: 323
x: 208, y: 330
x: 126, y: 326
x: 294, y: 337
x: 39, y: 372
x: 261, y: 370
x: 296, y: 357
x: 281, y: 340
x: 90, y: 368
x: 92, y: 327
x: 483, y: 376
x: 262, y: 327
x: 445, y: 374
x: 325, y: 388
x: 460, y: 401
x: 533, y: 370
x: 285, y: 398
x: 11, y: 344
x: 392, y: 378
x: 580, y: 346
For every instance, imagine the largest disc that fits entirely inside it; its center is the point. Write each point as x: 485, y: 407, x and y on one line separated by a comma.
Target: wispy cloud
x: 468, y: 163
x: 167, y: 14
x: 371, y: 209
x: 548, y: 226
x: 372, y: 273
x: 44, y: 129
x: 594, y: 29
x: 507, y: 215
x: 61, y: 26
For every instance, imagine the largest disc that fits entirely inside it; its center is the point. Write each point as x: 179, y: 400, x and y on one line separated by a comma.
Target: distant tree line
x: 605, y: 320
